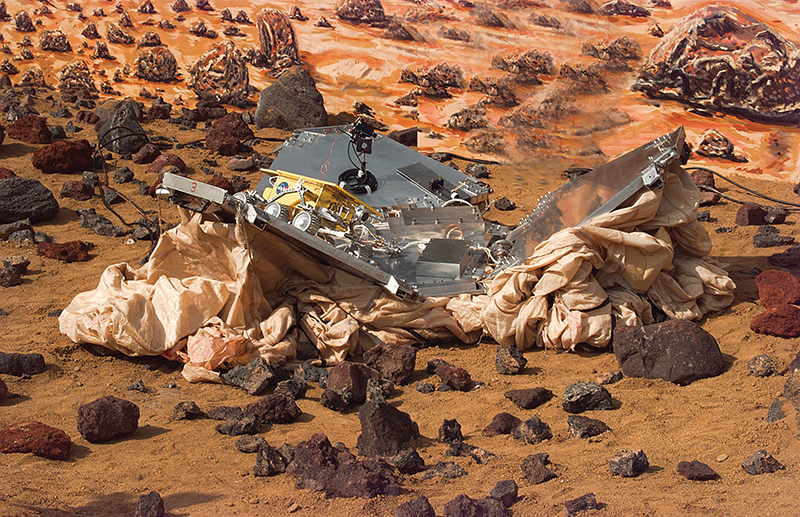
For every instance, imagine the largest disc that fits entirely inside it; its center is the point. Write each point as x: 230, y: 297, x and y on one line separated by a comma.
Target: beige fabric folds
x: 652, y: 251
x: 215, y: 295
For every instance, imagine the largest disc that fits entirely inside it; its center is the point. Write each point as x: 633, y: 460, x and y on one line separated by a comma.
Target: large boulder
x: 221, y: 75
x: 64, y: 157
x: 722, y: 59
x: 121, y: 133
x: 291, y: 102
x: 156, y: 64
x: 677, y: 351
x: 276, y: 39
x: 25, y: 198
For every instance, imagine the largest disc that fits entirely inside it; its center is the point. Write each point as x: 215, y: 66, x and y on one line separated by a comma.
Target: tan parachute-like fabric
x: 216, y: 295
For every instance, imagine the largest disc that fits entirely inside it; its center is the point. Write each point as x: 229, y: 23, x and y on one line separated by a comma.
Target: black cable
x: 751, y: 191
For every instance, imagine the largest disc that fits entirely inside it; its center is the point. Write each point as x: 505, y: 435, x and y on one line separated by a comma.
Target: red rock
x: 455, y: 377
x: 703, y: 177
x: 6, y: 173
x: 223, y: 183
x: 352, y: 376
x: 233, y: 124
x: 781, y: 321
x: 72, y: 251
x: 502, y: 423
x: 223, y: 143
x: 788, y: 258
x: 164, y: 160
x: 36, y: 437
x: 64, y: 157
x: 76, y: 190
x: 776, y: 287
x: 750, y: 214
x: 395, y: 362
x: 2, y: 129
x: 30, y: 129
x: 159, y: 111
x: 147, y: 154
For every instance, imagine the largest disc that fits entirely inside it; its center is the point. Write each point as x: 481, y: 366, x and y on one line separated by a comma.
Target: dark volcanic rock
x: 450, y: 431
x: 187, y: 410
x: 618, y: 49
x: 455, y: 377
x: 100, y: 224
x: 106, y: 418
x: 274, y: 409
x: 467, y: 119
x: 502, y: 423
x: 446, y: 470
x: 419, y: 507
x: 21, y: 364
x: 118, y: 133
x: 320, y: 467
x: 762, y: 366
x: 761, y: 463
x: 18, y: 262
x: 696, y: 471
x: 384, y: 429
x: 532, y: 431
x: 254, y: 378
x: 3, y: 386
x: 156, y: 64
x: 535, y: 470
x: 249, y: 443
x: 64, y: 157
x: 677, y: 351
x: 269, y: 461
x: 241, y: 424
x: 90, y: 31
x: 506, y: 492
x: 408, y: 461
x: 336, y: 399
x: 775, y: 412
x: 277, y: 41
x: 76, y: 190
x: 781, y: 321
x: 150, y: 505
x: 707, y: 60
x: 293, y: 388
x: 585, y: 427
x: 777, y: 287
x: 581, y: 504
x: 10, y: 276
x: 36, y: 437
x: 291, y: 102
x: 586, y: 396
x: 526, y: 67
x: 395, y: 362
x: 352, y: 377
x: 509, y: 360
x: 118, y: 36
x: 504, y: 204
x: 463, y: 505
x: 25, y: 198
x: 72, y: 251
x: 30, y: 129
x: 221, y: 75
x: 628, y: 463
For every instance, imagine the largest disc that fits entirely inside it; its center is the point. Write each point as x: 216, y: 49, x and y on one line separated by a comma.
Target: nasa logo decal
x: 282, y: 187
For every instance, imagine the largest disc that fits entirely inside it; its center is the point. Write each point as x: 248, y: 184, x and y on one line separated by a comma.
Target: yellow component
x: 303, y: 193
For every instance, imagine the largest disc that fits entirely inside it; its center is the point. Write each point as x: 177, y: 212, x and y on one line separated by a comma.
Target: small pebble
x: 722, y: 457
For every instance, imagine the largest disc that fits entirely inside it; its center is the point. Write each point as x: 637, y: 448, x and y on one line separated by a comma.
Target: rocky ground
x: 566, y: 432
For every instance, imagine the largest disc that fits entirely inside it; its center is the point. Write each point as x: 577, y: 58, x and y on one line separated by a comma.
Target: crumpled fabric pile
x: 215, y: 295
